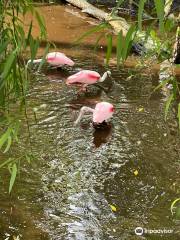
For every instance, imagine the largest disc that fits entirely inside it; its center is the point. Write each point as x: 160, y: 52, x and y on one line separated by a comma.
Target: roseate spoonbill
x: 55, y: 59
x: 102, y: 112
x: 86, y: 77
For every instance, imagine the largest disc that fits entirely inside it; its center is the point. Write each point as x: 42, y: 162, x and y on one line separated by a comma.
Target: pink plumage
x: 58, y: 59
x: 83, y: 77
x: 102, y: 112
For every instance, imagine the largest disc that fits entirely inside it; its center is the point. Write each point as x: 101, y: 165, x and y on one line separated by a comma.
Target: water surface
x: 79, y: 172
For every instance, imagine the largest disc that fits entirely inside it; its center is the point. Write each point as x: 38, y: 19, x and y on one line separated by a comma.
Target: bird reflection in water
x: 102, y: 134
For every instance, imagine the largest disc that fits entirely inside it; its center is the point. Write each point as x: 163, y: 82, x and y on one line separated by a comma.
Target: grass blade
x: 168, y: 104
x: 120, y: 43
x: 4, y: 137
x: 98, y: 40
x: 92, y: 30
x: 9, y: 141
x: 140, y: 13
x: 3, y: 46
x: 13, y: 176
x: 128, y: 42
x: 41, y: 24
x: 162, y: 84
x: 6, y: 162
x: 44, y: 57
x: 8, y: 66
x: 29, y: 34
x: 109, y: 48
x: 159, y: 5
x: 34, y: 45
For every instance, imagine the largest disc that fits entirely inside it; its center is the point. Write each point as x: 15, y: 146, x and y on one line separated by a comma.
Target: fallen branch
x: 118, y: 25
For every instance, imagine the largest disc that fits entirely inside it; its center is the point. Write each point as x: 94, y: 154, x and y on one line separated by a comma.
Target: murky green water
x: 79, y: 172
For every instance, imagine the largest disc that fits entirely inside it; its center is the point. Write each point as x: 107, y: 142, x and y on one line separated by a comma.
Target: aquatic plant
x: 15, y: 42
x: 151, y: 35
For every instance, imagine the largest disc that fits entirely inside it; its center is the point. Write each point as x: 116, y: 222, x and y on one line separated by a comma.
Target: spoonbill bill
x: 86, y: 77
x: 102, y: 112
x: 55, y: 59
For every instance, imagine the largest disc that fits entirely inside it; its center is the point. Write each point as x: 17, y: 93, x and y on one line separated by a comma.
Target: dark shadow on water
x: 102, y: 135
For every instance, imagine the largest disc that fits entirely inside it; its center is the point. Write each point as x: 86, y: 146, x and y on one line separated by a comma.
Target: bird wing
x: 57, y: 58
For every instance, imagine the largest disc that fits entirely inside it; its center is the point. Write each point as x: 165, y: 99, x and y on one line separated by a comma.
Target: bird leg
x: 83, y: 88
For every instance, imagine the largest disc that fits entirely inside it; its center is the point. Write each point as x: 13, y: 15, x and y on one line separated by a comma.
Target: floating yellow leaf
x: 114, y: 209
x: 141, y: 109
x: 136, y: 172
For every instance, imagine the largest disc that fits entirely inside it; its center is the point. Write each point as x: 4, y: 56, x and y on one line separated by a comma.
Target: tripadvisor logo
x: 140, y: 231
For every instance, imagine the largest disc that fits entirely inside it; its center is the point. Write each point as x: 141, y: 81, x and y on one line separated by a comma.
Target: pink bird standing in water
x: 102, y: 112
x: 86, y: 77
x: 55, y: 59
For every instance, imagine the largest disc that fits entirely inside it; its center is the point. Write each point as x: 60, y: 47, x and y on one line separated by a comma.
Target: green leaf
x: 21, y: 32
x: 6, y: 162
x: 128, y: 41
x: 140, y: 13
x: 3, y: 46
x: 44, y: 56
x: 4, y: 137
x: 13, y: 176
x: 91, y: 31
x: 168, y: 103
x: 15, y: 130
x: 120, y: 43
x: 159, y: 5
x: 41, y: 23
x: 34, y: 44
x: 7, y: 67
x: 162, y: 84
x: 29, y: 34
x: 9, y: 141
x: 169, y: 24
x: 97, y: 41
x: 109, y: 48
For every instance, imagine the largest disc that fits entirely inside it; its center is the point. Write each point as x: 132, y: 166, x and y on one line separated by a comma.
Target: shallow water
x: 79, y: 172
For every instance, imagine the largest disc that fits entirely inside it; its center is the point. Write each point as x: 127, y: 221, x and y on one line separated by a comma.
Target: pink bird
x: 86, y: 77
x: 55, y: 59
x: 102, y: 112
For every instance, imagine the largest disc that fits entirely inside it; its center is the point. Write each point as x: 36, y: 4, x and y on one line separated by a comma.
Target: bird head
x: 109, y: 73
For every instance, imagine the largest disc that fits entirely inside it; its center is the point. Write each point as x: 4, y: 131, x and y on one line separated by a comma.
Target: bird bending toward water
x: 55, y: 59
x: 86, y: 77
x: 102, y: 112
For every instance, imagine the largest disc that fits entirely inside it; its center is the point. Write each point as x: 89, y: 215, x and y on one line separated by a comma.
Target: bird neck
x: 34, y: 61
x: 104, y: 76
x: 82, y: 112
